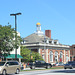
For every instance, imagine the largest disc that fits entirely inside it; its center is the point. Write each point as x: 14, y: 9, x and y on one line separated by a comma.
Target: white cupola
x: 38, y: 29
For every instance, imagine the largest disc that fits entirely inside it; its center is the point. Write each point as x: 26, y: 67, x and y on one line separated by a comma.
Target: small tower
x: 38, y: 25
x: 38, y: 29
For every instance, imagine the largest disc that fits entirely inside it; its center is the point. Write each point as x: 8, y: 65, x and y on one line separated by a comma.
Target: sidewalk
x: 27, y: 69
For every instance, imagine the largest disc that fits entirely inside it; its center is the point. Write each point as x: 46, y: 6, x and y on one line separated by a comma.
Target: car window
x: 42, y: 61
x: 15, y: 63
x: 38, y: 62
x: 12, y: 63
x: 2, y: 63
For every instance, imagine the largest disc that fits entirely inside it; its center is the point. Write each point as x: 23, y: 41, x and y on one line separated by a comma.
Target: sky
x: 55, y: 15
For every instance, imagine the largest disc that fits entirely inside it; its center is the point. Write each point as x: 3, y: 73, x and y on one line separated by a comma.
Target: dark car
x: 70, y: 65
x: 35, y: 64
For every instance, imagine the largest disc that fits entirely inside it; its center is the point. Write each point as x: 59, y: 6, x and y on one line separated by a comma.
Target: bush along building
x: 50, y: 50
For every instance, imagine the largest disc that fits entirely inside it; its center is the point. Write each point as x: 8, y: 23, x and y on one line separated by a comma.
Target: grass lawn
x: 59, y: 67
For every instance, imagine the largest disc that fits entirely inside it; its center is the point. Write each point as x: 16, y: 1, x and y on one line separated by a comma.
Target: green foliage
x: 7, y: 42
x: 36, y: 56
x: 26, y: 54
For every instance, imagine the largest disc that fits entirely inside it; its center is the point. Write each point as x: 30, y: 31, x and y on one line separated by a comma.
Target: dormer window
x: 50, y: 42
x: 55, y: 42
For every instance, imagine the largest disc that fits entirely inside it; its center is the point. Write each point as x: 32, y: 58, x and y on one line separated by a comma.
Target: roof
x: 34, y: 38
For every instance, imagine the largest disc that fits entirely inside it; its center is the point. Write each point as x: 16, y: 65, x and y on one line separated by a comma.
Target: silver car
x: 8, y: 67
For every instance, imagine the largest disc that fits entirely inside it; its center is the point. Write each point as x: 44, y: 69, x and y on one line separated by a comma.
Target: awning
x: 13, y: 56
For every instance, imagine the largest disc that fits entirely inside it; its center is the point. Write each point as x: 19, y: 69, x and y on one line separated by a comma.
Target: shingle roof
x: 34, y: 38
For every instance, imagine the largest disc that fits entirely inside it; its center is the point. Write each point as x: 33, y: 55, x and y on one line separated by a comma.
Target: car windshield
x: 2, y: 63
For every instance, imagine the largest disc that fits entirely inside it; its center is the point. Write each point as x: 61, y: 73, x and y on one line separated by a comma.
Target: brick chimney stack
x: 48, y: 33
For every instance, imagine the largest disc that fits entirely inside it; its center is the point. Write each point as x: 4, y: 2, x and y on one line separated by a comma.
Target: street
x: 49, y: 72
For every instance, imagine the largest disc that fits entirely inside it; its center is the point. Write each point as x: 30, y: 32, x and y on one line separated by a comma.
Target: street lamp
x: 15, y: 32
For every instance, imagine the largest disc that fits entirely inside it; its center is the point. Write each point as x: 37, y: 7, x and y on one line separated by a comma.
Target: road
x: 49, y: 72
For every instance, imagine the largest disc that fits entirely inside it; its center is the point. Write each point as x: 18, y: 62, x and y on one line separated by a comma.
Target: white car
x: 59, y: 64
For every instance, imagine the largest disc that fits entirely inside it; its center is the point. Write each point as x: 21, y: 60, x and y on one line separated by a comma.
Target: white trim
x: 56, y: 54
x: 47, y: 55
x: 40, y: 44
x: 52, y: 55
x: 39, y: 50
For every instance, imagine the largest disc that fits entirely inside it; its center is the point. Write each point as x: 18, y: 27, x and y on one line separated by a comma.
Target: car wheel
x: 48, y: 67
x: 71, y: 68
x: 17, y: 71
x: 64, y: 68
x: 4, y: 72
x: 33, y: 67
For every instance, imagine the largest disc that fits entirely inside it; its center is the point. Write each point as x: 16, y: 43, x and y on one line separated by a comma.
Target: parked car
x: 59, y: 64
x: 7, y: 67
x: 70, y: 65
x: 35, y: 64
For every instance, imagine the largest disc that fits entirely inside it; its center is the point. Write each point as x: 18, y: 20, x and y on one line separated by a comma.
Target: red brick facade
x: 72, y: 52
x: 64, y: 54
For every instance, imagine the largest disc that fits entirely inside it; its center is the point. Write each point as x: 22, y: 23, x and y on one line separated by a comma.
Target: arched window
x: 61, y: 56
x: 51, y: 56
x: 56, y: 56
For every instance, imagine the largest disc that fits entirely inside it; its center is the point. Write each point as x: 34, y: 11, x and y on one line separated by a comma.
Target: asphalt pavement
x: 49, y: 72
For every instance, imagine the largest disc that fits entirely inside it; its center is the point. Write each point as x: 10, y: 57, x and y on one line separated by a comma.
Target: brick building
x: 50, y: 50
x: 72, y: 52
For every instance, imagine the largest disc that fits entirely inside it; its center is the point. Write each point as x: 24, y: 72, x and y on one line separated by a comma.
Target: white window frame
x: 51, y: 55
x: 61, y: 53
x: 56, y: 55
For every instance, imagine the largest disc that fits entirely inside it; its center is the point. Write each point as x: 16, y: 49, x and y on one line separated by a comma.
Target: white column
x: 47, y: 55
x: 19, y: 59
x: 39, y: 50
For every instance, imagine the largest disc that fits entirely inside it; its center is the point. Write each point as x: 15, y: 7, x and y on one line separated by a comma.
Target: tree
x: 27, y: 54
x: 36, y: 56
x: 7, y: 42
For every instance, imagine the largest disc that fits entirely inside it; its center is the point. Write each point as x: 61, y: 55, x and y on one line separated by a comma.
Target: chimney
x: 48, y: 33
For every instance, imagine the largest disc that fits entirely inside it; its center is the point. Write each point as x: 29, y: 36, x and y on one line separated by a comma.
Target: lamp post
x: 15, y: 32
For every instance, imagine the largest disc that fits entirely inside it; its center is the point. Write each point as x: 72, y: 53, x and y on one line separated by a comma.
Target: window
x: 50, y: 42
x: 51, y: 56
x: 12, y: 63
x: 42, y: 61
x: 16, y: 63
x: 55, y: 42
x: 43, y: 50
x: 2, y: 63
x: 56, y: 56
x: 61, y: 56
x: 66, y: 58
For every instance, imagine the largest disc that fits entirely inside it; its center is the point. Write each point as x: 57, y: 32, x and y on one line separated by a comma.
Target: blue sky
x: 56, y: 15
